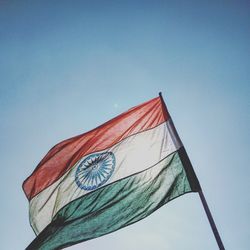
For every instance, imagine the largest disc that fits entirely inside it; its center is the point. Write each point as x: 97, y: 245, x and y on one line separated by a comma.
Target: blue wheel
x: 95, y: 170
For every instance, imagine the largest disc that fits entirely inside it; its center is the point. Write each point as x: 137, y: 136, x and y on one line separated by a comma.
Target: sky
x: 68, y: 66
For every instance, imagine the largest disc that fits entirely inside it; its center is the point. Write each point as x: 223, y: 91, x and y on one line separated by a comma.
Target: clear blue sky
x: 68, y: 66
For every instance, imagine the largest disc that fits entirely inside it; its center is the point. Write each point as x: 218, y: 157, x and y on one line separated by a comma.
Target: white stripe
x: 134, y: 154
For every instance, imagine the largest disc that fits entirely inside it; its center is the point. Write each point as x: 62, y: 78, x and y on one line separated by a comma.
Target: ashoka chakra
x: 95, y: 170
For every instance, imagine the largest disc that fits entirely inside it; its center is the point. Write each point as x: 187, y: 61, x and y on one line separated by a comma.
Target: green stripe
x: 115, y: 206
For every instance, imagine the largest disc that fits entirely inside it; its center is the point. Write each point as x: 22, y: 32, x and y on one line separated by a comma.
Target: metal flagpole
x: 196, y: 185
x: 211, y: 221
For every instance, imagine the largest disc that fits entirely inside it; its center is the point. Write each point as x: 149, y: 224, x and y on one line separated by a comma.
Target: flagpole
x: 211, y: 221
x: 190, y: 172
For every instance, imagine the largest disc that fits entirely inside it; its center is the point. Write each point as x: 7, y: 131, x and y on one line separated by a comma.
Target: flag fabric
x: 108, y: 178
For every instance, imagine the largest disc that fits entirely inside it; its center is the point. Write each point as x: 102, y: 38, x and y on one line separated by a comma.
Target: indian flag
x: 108, y: 178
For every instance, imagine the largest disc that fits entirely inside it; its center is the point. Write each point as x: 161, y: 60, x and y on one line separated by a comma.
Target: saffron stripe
x: 65, y: 154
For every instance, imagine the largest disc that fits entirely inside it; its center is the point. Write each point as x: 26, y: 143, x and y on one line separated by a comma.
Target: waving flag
x: 108, y: 178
